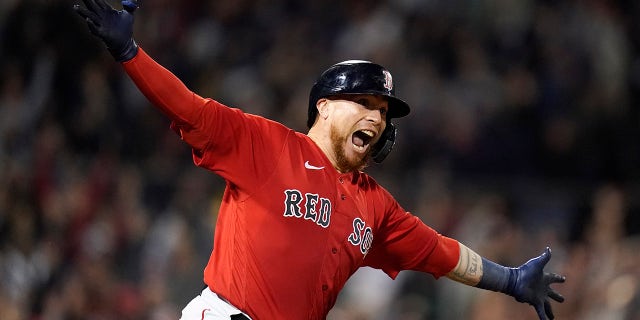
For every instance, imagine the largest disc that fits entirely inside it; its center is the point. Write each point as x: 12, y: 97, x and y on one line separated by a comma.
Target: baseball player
x: 298, y: 216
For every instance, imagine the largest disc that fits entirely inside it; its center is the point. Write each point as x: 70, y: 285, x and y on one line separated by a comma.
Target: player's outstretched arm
x: 527, y: 283
x: 114, y: 27
x: 158, y: 84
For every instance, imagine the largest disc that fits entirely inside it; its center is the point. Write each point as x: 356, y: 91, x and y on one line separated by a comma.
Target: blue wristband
x: 497, y: 278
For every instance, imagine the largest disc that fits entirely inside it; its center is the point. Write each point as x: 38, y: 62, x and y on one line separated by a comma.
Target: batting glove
x: 527, y: 283
x: 114, y: 27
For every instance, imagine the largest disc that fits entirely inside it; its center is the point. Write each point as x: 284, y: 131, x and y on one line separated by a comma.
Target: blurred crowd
x: 524, y: 133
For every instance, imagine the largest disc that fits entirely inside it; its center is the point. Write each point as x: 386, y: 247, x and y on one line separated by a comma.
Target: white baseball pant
x: 208, y: 306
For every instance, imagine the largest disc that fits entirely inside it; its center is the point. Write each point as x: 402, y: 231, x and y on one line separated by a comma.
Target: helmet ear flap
x: 383, y: 147
x: 312, y: 112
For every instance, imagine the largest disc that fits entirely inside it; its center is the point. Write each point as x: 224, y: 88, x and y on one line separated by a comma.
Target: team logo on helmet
x: 388, y: 81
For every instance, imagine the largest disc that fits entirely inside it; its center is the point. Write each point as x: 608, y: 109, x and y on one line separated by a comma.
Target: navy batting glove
x: 532, y: 285
x: 527, y: 283
x: 114, y: 27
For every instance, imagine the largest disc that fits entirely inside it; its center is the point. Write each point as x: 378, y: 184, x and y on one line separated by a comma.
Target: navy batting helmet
x: 356, y: 77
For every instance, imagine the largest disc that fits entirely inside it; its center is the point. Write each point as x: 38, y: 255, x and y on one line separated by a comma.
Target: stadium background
x: 524, y: 133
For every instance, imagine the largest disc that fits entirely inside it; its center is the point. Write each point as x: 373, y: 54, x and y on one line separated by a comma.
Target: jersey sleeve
x: 404, y: 242
x: 167, y: 93
x: 240, y: 147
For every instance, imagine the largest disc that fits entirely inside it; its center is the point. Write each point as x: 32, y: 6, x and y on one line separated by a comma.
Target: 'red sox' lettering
x: 309, y: 207
x: 361, y: 236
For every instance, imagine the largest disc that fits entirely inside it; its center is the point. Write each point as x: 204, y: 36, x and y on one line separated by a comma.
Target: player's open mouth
x: 361, y: 139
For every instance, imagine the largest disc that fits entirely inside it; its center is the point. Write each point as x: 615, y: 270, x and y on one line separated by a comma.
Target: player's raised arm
x: 527, y: 283
x: 167, y: 92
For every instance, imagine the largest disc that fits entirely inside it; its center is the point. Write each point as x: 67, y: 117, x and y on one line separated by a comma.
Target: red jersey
x: 291, y: 229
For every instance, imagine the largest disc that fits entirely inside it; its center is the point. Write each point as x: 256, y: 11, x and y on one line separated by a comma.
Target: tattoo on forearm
x: 469, y: 268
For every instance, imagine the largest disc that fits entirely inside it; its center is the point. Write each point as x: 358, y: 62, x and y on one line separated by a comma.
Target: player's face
x: 357, y: 123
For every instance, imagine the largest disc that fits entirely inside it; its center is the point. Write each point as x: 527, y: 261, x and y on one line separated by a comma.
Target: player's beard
x: 343, y: 163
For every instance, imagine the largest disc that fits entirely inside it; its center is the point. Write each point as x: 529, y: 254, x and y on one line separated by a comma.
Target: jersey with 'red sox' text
x: 291, y: 229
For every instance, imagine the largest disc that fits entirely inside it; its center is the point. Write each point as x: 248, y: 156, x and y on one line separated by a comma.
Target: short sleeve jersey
x: 291, y: 229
